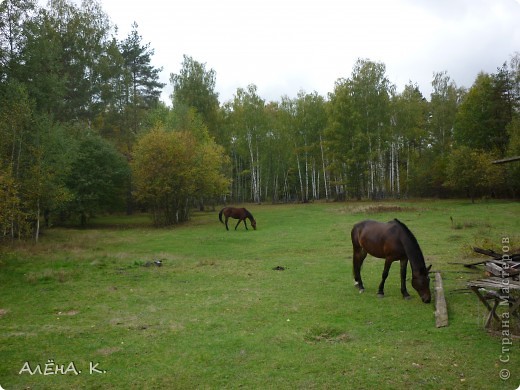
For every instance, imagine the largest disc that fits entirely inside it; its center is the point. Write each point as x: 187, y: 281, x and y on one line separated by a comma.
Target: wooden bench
x: 493, y: 289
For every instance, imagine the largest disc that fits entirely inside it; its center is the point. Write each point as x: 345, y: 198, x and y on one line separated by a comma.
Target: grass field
x: 217, y: 315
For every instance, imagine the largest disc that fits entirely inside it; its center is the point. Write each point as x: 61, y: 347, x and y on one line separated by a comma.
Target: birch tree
x: 371, y: 96
x: 347, y: 142
x: 310, y: 122
x: 409, y: 116
x: 249, y: 124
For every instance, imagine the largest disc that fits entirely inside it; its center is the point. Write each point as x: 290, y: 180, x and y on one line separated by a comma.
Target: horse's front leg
x: 404, y: 265
x: 238, y: 223
x: 386, y: 270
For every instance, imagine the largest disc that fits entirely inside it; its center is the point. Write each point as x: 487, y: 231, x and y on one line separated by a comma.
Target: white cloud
x: 283, y: 46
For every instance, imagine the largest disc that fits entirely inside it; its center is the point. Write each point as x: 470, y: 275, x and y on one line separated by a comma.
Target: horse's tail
x: 358, y: 253
x: 220, y: 215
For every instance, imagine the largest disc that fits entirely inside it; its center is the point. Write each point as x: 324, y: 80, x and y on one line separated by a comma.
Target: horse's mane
x: 248, y: 214
x: 417, y: 252
x: 407, y: 231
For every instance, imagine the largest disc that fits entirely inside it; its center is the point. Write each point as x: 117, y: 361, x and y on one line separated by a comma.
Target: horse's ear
x: 429, y: 268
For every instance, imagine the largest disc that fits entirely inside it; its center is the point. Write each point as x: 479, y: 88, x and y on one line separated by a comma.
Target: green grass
x: 217, y: 315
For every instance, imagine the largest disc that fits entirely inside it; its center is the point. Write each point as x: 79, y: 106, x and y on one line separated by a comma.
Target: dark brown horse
x: 390, y: 241
x: 237, y: 213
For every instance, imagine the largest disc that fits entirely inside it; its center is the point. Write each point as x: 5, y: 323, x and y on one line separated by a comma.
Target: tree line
x: 83, y: 131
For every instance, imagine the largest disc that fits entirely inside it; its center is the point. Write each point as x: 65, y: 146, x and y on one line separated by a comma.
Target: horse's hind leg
x: 226, y: 223
x: 386, y: 270
x: 359, y: 256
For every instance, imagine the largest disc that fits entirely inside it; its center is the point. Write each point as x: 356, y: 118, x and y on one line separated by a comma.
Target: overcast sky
x: 284, y: 46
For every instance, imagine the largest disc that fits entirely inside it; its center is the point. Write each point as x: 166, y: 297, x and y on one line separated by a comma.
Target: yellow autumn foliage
x: 172, y: 169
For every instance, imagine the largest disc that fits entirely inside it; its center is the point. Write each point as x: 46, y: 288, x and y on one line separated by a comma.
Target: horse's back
x: 377, y: 238
x: 369, y: 227
x: 234, y: 212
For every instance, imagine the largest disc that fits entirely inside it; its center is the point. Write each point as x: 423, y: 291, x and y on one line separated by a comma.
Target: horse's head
x: 253, y: 223
x: 421, y: 283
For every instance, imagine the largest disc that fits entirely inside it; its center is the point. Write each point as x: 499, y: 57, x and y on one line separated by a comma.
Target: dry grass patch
x: 49, y: 275
x: 375, y: 208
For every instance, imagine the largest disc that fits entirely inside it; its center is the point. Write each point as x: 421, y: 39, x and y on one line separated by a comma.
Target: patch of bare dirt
x: 68, y: 313
x: 108, y: 351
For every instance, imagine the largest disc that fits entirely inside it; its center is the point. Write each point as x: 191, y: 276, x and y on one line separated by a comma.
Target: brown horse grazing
x: 237, y: 213
x: 391, y: 241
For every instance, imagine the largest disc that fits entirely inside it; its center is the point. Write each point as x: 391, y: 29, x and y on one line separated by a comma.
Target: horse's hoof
x: 380, y: 295
x: 407, y: 297
x: 361, y: 290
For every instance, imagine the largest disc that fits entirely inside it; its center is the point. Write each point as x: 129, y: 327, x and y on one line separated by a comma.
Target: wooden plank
x: 481, y: 298
x: 441, y: 311
x: 494, y: 269
x: 494, y: 282
x: 492, y: 314
x: 506, y: 160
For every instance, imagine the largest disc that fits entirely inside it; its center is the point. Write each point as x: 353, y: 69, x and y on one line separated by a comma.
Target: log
x: 488, y: 252
x: 469, y: 265
x: 441, y: 311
